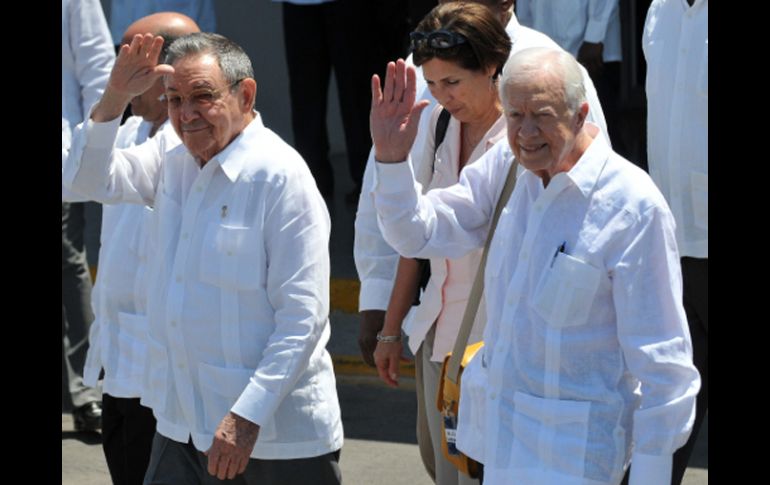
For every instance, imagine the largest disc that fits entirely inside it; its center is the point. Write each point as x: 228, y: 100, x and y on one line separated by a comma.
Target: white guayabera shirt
x: 676, y: 47
x: 587, y: 349
x: 238, y: 292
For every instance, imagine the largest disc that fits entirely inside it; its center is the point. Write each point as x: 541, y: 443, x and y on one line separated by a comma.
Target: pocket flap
x: 225, y: 382
x: 551, y: 411
x: 133, y: 324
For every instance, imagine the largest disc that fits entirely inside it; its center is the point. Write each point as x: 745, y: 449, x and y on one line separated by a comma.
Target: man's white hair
x: 545, y: 59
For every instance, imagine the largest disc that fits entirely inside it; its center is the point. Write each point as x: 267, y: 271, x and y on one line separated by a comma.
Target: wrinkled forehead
x: 198, y: 70
x: 534, y: 87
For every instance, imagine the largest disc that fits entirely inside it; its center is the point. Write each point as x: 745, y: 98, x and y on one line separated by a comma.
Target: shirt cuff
x: 596, y: 31
x: 391, y: 178
x: 375, y: 294
x: 649, y: 469
x: 256, y: 404
x: 102, y: 135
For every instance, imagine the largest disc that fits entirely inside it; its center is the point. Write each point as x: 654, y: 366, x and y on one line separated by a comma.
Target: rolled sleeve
x: 652, y: 328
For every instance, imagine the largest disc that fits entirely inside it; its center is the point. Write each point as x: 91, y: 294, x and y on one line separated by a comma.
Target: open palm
x: 394, y: 115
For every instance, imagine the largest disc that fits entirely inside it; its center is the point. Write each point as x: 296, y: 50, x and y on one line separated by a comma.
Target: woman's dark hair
x: 486, y: 42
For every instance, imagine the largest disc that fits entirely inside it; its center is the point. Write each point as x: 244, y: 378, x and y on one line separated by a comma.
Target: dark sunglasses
x: 438, y: 39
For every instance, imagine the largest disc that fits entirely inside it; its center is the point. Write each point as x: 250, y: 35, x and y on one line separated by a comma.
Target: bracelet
x: 388, y: 339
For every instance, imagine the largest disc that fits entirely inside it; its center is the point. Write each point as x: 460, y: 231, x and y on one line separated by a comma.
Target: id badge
x: 450, y: 431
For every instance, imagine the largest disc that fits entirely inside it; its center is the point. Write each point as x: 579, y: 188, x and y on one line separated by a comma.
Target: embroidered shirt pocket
x: 232, y: 256
x: 566, y: 291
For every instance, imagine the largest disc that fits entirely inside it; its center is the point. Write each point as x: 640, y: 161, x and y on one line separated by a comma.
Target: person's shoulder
x: 631, y: 188
x: 527, y: 37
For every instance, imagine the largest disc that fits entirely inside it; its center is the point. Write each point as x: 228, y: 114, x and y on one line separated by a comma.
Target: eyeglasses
x: 438, y: 39
x: 201, y: 98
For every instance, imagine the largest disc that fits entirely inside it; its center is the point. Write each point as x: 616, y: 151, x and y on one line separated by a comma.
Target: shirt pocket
x: 231, y: 257
x: 132, y: 346
x: 221, y: 387
x: 550, y: 434
x: 566, y: 291
x: 700, y: 199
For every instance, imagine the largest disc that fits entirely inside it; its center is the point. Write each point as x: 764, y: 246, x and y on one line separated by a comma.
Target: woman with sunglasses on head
x: 462, y: 48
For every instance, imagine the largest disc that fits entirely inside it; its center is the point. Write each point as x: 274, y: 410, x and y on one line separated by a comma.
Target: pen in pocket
x: 560, y: 249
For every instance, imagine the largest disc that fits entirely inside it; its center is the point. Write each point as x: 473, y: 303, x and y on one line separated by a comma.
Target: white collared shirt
x: 375, y: 260
x: 87, y: 56
x: 118, y: 335
x: 572, y: 22
x: 238, y: 293
x: 675, y: 44
x: 587, y: 349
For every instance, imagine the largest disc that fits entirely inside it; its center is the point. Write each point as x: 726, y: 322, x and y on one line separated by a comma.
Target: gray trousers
x: 446, y: 473
x: 76, y: 313
x: 174, y: 463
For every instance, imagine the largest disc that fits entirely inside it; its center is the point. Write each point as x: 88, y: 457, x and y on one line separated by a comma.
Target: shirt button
x: 539, y: 208
x: 199, y: 188
x: 229, y: 253
x: 493, y: 396
x: 185, y: 235
x: 180, y: 365
x: 524, y: 255
x: 173, y: 323
x: 178, y: 279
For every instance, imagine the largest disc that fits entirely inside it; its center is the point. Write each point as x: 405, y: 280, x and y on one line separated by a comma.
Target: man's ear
x: 248, y: 94
x: 582, y: 114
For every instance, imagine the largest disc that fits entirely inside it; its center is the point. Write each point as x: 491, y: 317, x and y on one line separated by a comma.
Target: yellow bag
x: 448, y: 400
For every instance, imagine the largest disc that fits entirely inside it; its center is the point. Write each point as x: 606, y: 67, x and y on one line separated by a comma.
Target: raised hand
x: 394, y: 115
x: 134, y: 72
x: 136, y: 68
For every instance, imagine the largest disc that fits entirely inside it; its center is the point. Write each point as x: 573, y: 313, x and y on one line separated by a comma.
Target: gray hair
x: 232, y: 59
x: 555, y: 61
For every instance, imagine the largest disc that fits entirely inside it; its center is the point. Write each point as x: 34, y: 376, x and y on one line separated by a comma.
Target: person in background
x: 675, y: 44
x: 118, y: 349
x: 587, y: 358
x: 461, y: 49
x: 237, y: 375
x: 348, y: 37
x: 87, y: 57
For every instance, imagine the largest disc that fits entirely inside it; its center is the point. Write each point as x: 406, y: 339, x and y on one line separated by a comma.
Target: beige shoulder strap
x: 478, y: 283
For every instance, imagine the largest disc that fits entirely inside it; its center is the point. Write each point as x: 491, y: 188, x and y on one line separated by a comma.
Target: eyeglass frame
x: 217, y: 92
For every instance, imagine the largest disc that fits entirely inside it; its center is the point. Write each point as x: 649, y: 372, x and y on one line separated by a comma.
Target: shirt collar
x: 513, y: 28
x: 232, y: 158
x: 585, y: 174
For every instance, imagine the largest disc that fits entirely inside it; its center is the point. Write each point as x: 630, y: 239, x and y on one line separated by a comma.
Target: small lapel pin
x: 224, y: 211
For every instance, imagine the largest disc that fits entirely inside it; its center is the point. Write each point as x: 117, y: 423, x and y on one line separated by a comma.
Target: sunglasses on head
x: 438, y: 39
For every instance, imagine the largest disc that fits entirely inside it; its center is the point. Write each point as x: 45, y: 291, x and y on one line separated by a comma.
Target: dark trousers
x: 608, y: 89
x: 319, y: 38
x: 174, y: 463
x: 127, y: 432
x: 76, y: 302
x: 695, y: 275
